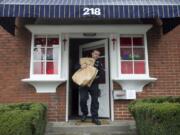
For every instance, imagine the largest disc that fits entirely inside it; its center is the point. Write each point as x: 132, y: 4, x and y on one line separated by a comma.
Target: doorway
x: 82, y: 47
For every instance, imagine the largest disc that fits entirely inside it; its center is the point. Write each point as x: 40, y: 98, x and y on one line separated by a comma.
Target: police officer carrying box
x: 93, y: 90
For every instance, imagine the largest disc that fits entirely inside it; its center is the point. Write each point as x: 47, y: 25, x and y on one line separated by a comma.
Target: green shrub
x: 157, y: 116
x: 23, y: 119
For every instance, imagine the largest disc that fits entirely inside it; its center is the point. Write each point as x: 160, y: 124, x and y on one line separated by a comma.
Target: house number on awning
x: 91, y: 11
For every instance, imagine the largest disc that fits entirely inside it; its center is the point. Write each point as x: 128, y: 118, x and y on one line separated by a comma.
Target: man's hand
x: 84, y: 66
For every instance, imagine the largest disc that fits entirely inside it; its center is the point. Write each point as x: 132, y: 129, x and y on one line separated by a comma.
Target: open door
x: 84, y: 51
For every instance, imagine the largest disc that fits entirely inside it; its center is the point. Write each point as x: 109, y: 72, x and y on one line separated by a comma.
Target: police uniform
x: 94, y: 91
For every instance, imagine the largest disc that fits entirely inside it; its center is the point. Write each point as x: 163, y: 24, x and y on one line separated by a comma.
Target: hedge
x: 23, y: 119
x: 157, y: 116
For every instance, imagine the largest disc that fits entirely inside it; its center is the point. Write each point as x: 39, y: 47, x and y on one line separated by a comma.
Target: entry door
x: 85, y: 50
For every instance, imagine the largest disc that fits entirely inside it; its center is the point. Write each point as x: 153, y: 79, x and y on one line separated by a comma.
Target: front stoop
x: 76, y: 127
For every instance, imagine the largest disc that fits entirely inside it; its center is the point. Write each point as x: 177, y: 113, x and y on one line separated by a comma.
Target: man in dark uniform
x: 93, y: 90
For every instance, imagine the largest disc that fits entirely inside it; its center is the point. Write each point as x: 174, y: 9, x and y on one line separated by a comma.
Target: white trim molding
x: 136, y: 84
x: 122, y: 29
x: 44, y: 85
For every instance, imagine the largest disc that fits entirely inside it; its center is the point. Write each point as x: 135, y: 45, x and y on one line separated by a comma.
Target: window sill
x: 44, y: 85
x: 134, y: 83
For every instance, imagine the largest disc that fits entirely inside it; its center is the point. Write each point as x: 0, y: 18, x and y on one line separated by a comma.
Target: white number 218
x: 91, y: 11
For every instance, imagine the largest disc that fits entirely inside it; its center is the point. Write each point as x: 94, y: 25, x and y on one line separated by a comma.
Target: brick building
x: 41, y: 42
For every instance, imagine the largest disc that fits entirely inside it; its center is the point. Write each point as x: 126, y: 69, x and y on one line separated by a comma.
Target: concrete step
x: 76, y: 127
x: 114, y: 133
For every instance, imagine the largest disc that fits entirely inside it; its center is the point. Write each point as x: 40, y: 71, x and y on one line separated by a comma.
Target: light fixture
x: 64, y: 42
x: 89, y: 34
x: 113, y: 41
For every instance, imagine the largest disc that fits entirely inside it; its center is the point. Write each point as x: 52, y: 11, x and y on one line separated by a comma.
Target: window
x: 46, y: 70
x: 46, y: 55
x: 132, y: 54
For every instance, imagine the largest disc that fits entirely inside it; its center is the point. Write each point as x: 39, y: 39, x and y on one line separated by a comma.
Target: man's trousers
x: 84, y: 96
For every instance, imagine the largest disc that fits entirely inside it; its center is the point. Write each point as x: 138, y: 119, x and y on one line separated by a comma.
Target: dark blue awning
x: 107, y: 9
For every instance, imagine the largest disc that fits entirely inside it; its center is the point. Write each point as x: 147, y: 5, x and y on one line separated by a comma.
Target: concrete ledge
x: 88, y: 128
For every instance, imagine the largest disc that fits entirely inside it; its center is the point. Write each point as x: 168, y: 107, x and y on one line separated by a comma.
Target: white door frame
x: 98, y: 36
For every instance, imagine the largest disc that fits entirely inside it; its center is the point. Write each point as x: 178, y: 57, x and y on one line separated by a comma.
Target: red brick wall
x: 14, y: 66
x: 164, y: 64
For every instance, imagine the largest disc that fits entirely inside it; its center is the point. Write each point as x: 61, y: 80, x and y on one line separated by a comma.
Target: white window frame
x: 121, y: 75
x: 130, y: 82
x: 47, y: 76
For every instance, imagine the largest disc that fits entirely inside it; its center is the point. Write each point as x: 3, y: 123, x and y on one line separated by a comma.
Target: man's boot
x: 96, y: 121
x: 83, y: 118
